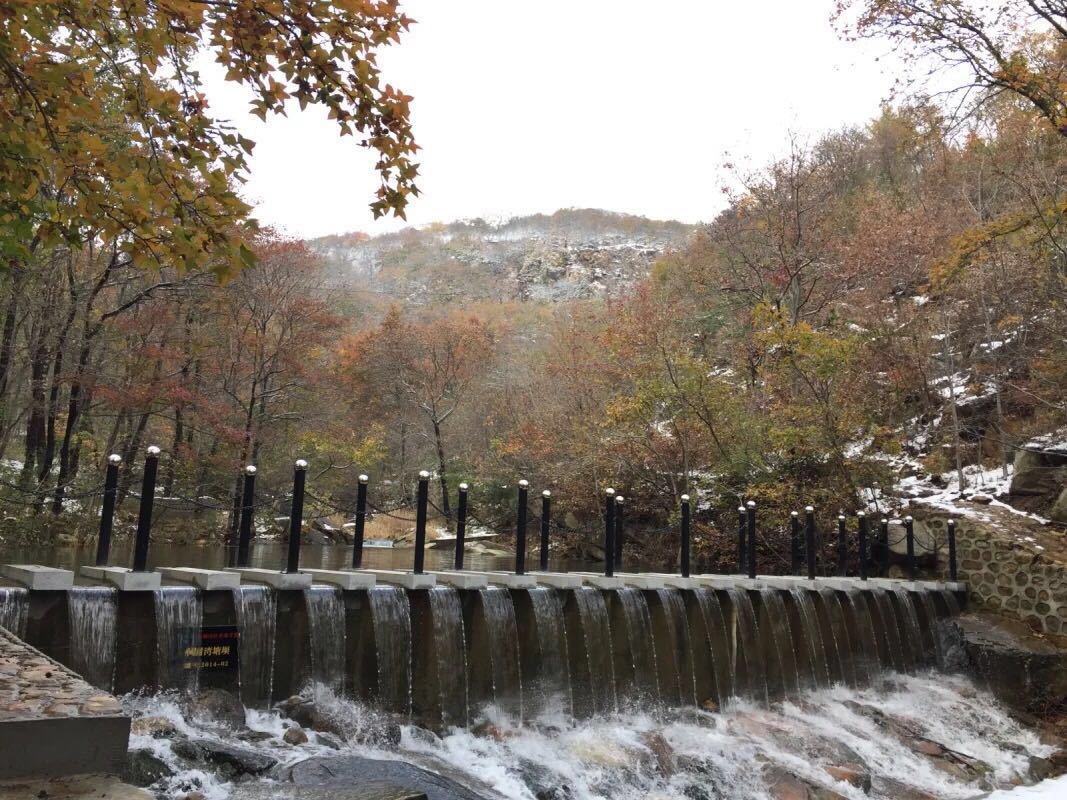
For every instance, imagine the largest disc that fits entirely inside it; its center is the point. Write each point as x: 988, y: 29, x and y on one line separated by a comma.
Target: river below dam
x: 920, y: 736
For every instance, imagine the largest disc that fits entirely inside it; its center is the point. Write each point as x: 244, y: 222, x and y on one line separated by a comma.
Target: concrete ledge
x: 461, y: 580
x: 276, y: 580
x: 784, y: 581
x: 678, y: 582
x: 34, y: 576
x: 956, y: 586
x: 511, y: 580
x: 125, y: 580
x: 557, y: 580
x: 625, y: 580
x: 344, y: 579
x: 408, y: 580
x: 603, y: 582
x: 207, y: 579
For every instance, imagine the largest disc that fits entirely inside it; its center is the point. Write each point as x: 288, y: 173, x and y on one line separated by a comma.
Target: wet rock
x: 661, y: 751
x: 853, y: 774
x: 329, y: 740
x: 364, y: 791
x: 254, y: 737
x: 235, y: 760
x: 343, y: 772
x: 1022, y: 670
x: 194, y: 796
x: 218, y: 706
x: 782, y: 785
x: 295, y: 735
x: 300, y: 710
x: 306, y: 713
x: 1040, y: 769
x: 887, y: 787
x: 542, y: 782
x: 144, y: 769
x: 710, y: 705
x: 156, y: 727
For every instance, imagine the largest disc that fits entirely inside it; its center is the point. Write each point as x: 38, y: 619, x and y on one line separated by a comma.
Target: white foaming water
x: 681, y: 754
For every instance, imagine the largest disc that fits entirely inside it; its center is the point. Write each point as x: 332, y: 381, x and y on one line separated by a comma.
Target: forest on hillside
x: 880, y: 302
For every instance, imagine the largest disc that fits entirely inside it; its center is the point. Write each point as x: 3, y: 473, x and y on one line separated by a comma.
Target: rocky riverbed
x: 910, y: 737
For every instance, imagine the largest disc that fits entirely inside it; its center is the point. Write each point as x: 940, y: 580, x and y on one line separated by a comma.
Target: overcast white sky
x: 523, y: 107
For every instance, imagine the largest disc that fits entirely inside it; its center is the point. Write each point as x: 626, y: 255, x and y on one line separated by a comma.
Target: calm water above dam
x: 268, y: 555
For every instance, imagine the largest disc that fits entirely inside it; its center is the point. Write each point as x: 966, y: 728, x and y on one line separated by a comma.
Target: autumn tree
x: 980, y: 50
x: 420, y: 374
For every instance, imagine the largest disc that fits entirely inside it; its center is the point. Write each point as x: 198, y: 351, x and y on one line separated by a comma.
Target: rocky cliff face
x: 571, y: 254
x: 1040, y: 476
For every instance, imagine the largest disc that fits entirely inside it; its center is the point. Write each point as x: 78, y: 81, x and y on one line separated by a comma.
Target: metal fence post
x: 863, y: 533
x: 520, y: 528
x: 809, y: 540
x: 144, y: 513
x: 107, y: 510
x: 361, y: 522
x: 244, y: 529
x: 421, y: 502
x: 609, y: 533
x: 686, y: 534
x: 741, y: 548
x: 461, y: 526
x: 751, y: 515
x: 296, y: 516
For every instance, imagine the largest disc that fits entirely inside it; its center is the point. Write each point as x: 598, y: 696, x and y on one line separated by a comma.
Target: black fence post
x: 421, y: 502
x: 546, y: 515
x: 741, y: 549
x: 461, y: 526
x: 751, y: 515
x: 520, y: 527
x: 842, y: 546
x: 361, y: 522
x: 244, y: 528
x: 883, y: 536
x: 863, y: 533
x: 909, y: 532
x: 107, y: 510
x: 952, y: 570
x: 619, y: 534
x: 686, y: 536
x: 794, y: 543
x: 609, y: 533
x: 809, y: 540
x: 296, y: 516
x: 144, y: 513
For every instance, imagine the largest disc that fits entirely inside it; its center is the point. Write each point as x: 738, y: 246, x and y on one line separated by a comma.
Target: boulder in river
x: 143, y: 768
x: 216, y: 706
x: 1025, y: 671
x: 233, y: 760
x: 343, y: 772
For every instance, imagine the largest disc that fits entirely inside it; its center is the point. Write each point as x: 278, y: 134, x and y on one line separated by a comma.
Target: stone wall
x: 1006, y: 569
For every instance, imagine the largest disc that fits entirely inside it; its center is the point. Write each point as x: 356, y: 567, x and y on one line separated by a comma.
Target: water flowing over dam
x: 442, y: 654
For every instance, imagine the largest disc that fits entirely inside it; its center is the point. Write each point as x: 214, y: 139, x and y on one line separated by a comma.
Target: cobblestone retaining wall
x: 1006, y: 573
